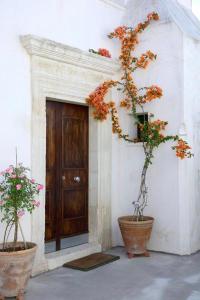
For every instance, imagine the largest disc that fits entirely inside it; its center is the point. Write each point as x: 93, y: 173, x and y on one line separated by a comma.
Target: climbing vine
x: 151, y: 131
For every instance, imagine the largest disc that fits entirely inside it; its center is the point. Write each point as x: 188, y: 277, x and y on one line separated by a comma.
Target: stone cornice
x: 38, y: 46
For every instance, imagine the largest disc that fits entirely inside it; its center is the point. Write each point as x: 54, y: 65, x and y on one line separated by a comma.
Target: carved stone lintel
x: 62, y: 53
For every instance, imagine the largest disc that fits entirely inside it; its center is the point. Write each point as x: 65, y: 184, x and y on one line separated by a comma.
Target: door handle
x: 77, y: 179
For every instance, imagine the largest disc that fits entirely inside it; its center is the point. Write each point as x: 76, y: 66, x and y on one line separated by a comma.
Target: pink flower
x: 9, y: 170
x: 18, y: 187
x: 40, y: 187
x: 1, y: 202
x: 2, y: 173
x: 20, y: 213
x: 36, y: 203
x: 13, y: 176
x: 32, y: 180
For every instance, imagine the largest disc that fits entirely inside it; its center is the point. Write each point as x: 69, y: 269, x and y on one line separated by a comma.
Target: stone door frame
x: 69, y: 75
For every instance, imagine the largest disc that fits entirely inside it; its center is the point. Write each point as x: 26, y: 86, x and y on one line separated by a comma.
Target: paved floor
x: 160, y: 277
x: 67, y: 242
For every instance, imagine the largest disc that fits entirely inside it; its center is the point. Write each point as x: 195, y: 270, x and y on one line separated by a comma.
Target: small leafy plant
x: 18, y: 195
x: 101, y: 51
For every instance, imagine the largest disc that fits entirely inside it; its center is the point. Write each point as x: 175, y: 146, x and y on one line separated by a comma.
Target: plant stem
x: 11, y: 226
x: 141, y: 201
x: 4, y: 238
x: 16, y: 231
x: 25, y: 245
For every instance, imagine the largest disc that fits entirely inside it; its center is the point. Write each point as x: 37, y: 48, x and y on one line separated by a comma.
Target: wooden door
x: 66, y: 171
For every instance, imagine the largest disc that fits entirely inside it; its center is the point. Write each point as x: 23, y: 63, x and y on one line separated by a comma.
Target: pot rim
x: 129, y: 220
x: 21, y: 252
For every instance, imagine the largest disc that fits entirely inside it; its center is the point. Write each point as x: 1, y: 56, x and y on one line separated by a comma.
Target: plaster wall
x: 192, y: 124
x: 187, y: 3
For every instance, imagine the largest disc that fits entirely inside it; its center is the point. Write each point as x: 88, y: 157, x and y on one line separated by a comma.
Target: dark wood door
x: 66, y: 171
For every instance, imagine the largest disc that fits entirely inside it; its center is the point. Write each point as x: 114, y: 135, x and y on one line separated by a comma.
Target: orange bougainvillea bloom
x: 129, y: 40
x: 182, y: 149
x: 119, y: 32
x: 126, y: 103
x: 144, y: 60
x: 158, y: 124
x: 104, y: 52
x: 153, y: 16
x: 115, y: 122
x: 101, y: 51
x: 96, y: 100
x: 153, y: 92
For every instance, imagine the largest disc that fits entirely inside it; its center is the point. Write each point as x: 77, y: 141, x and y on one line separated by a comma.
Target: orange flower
x: 152, y: 93
x: 96, y: 100
x: 153, y: 16
x: 125, y: 103
x: 158, y: 124
x: 144, y: 60
x: 104, y: 52
x: 119, y: 32
x: 182, y: 149
x: 115, y: 122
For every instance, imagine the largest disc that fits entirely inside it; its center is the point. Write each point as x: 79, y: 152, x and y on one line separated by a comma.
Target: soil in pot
x: 136, y: 234
x: 15, y: 270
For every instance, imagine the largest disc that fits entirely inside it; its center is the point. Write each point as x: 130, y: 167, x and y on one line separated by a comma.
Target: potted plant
x: 18, y: 195
x: 136, y: 229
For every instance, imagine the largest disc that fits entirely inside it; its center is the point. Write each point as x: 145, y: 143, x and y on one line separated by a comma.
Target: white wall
x: 196, y: 8
x: 192, y: 125
x: 79, y: 23
x: 187, y: 3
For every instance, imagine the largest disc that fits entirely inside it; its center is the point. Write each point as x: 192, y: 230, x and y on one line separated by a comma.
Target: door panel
x: 73, y: 143
x: 67, y: 171
x: 74, y: 170
x: 50, y: 172
x: 74, y: 204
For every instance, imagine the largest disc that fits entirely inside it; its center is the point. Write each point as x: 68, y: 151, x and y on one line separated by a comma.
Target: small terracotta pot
x: 15, y: 270
x: 136, y: 234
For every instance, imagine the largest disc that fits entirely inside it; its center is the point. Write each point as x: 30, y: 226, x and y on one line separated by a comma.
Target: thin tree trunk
x: 5, y: 233
x: 141, y: 202
x: 16, y: 231
x: 20, y: 227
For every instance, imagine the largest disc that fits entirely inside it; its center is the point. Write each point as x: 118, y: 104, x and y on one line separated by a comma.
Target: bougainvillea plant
x: 151, y: 131
x: 102, y: 52
x: 18, y: 195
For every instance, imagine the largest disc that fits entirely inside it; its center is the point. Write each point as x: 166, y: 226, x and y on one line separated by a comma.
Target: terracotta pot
x: 15, y: 270
x: 136, y: 234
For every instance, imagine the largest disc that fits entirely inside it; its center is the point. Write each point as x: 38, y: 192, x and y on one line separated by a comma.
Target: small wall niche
x: 142, y: 117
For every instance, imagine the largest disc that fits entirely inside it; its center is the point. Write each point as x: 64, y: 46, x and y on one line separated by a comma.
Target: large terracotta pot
x: 15, y: 270
x: 136, y: 234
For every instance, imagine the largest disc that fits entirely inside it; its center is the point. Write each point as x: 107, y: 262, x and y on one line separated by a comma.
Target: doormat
x: 91, y: 262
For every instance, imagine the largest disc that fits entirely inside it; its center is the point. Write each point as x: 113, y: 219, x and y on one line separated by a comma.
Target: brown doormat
x: 91, y: 262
